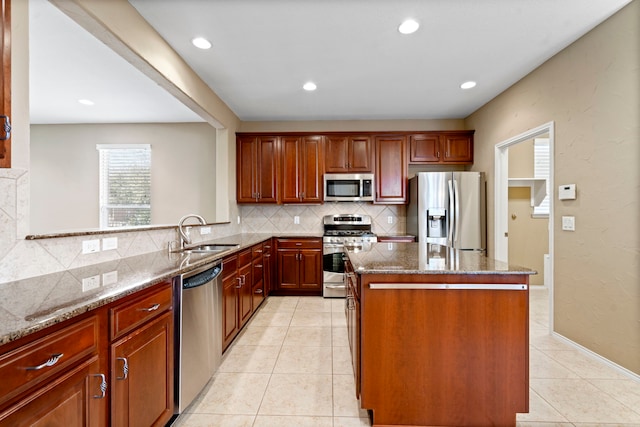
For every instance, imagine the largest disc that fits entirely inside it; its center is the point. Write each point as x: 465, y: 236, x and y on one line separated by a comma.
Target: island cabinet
x: 257, y: 169
x: 299, y: 266
x: 391, y: 171
x: 348, y: 153
x: 451, y: 147
x: 142, y: 359
x: 302, y: 168
x: 444, y: 349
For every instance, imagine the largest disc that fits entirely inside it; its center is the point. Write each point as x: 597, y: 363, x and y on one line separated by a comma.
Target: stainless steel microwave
x: 348, y: 187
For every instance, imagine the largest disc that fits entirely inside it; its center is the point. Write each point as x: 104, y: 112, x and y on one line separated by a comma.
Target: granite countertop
x: 32, y: 304
x: 423, y: 258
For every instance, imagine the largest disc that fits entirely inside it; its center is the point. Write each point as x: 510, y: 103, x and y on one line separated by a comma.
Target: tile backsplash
x: 386, y: 219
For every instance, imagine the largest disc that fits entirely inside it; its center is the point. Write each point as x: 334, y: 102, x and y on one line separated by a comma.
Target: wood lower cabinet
x: 452, y: 147
x: 352, y: 312
x: 142, y: 359
x: 299, y: 266
x: 348, y: 153
x: 142, y: 375
x: 391, y: 172
x: 72, y: 399
x: 243, y: 287
x: 111, y: 366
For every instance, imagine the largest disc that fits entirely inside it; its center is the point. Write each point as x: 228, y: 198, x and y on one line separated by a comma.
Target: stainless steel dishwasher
x: 198, y: 339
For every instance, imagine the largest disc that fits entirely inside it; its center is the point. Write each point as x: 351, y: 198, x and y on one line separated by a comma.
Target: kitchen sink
x: 210, y: 248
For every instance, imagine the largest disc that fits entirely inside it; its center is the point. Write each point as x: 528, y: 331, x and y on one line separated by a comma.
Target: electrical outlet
x: 390, y: 219
x: 238, y: 219
x: 205, y: 230
x: 90, y: 246
x: 90, y: 283
x: 296, y: 219
x: 109, y: 243
x: 110, y: 278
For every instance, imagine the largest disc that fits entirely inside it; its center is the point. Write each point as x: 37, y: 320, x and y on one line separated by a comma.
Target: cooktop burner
x: 348, y: 227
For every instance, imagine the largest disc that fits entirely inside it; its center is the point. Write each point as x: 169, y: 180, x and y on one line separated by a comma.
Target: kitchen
x: 492, y: 127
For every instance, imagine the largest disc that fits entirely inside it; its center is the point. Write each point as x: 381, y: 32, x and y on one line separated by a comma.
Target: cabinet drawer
x: 244, y: 258
x: 41, y: 359
x: 229, y: 266
x: 257, y: 251
x: 129, y: 315
x: 300, y: 243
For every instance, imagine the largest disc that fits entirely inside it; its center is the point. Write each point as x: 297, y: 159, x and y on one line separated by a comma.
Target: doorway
x: 501, y: 200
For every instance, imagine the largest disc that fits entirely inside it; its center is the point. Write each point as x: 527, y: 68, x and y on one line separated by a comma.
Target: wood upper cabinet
x: 5, y: 82
x: 348, y: 153
x: 302, y: 169
x: 452, y: 147
x: 391, y: 171
x: 257, y: 169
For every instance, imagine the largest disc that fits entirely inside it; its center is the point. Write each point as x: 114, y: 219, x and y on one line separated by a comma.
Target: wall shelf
x: 538, y: 188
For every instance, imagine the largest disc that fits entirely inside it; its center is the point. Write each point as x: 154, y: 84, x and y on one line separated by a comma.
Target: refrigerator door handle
x: 456, y: 193
x: 452, y: 203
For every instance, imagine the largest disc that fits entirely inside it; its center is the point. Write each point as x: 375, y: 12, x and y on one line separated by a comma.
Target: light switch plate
x: 296, y: 219
x: 110, y: 278
x: 109, y: 243
x: 205, y: 230
x: 569, y: 223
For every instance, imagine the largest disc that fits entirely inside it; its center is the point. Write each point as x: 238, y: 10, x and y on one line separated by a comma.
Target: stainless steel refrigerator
x: 448, y: 208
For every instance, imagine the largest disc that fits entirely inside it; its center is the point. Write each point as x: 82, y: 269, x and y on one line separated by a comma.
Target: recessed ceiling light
x: 309, y: 86
x: 201, y: 43
x: 408, y: 27
x: 468, y: 85
x: 86, y: 102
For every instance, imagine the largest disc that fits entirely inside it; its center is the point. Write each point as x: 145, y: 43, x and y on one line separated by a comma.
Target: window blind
x: 541, y: 169
x: 125, y: 185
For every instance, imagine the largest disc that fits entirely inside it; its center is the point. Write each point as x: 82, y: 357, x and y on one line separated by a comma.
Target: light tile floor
x: 291, y: 367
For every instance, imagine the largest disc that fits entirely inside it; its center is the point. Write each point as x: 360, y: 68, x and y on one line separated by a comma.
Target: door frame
x: 501, y: 199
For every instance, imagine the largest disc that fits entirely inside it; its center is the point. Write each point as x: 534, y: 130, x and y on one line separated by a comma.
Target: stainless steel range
x: 342, y: 232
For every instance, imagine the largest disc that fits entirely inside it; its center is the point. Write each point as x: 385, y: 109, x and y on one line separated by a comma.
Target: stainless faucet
x: 185, y: 238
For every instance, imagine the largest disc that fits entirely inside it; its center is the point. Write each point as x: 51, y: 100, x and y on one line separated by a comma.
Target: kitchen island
x: 438, y: 336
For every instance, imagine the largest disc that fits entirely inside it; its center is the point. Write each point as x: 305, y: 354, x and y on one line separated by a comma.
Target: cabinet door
x: 312, y: 168
x: 245, y: 295
x: 360, y: 154
x: 74, y: 399
x: 391, y: 169
x: 310, y: 261
x: 457, y: 148
x: 267, y: 262
x: 336, y: 154
x: 142, y: 375
x: 246, y: 169
x: 424, y: 148
x: 267, y: 176
x: 291, y: 156
x: 288, y: 269
x: 230, y: 321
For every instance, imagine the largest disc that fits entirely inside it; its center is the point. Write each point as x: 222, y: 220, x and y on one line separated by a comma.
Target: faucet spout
x: 185, y: 238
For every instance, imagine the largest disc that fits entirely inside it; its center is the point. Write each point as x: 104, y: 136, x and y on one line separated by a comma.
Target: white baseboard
x: 624, y: 371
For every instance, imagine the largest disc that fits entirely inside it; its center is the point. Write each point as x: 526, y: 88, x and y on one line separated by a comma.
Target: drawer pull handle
x: 52, y: 361
x: 239, y: 279
x: 154, y: 307
x: 258, y: 291
x: 103, y: 387
x: 125, y: 368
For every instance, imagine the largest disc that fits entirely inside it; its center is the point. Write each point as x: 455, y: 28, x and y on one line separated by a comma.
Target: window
x: 125, y: 185
x: 541, y: 160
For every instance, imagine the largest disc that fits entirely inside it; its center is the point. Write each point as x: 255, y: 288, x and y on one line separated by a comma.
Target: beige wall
x: 591, y: 90
x: 352, y: 125
x: 65, y: 181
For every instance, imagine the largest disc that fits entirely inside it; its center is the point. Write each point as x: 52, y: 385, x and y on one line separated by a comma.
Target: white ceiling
x: 263, y: 52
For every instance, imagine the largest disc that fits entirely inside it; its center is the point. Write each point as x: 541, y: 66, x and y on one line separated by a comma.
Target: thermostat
x: 567, y: 192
